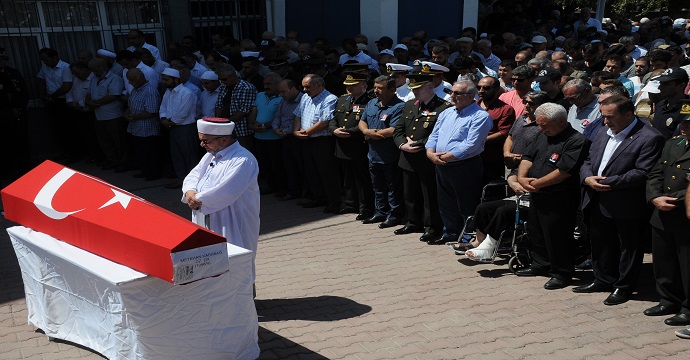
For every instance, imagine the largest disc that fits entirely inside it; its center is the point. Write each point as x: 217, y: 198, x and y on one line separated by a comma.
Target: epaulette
x: 416, y: 102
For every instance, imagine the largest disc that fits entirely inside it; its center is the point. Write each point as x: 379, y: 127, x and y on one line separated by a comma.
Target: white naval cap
x: 393, y: 67
x: 433, y: 68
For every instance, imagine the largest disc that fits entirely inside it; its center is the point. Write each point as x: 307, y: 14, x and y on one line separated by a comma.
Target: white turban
x: 171, y: 72
x: 215, y: 126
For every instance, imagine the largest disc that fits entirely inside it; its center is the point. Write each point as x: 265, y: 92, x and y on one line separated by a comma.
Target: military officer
x: 419, y: 177
x: 398, y: 72
x: 350, y: 147
x: 666, y: 190
x: 442, y: 88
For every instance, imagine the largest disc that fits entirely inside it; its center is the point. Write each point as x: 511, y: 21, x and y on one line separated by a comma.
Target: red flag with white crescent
x: 100, y: 218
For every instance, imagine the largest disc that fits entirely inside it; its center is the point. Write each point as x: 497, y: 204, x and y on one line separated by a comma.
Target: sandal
x: 460, y: 248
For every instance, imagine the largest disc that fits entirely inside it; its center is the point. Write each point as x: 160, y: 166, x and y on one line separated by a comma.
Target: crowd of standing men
x: 571, y: 113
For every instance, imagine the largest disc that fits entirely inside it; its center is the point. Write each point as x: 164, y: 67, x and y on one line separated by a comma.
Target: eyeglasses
x: 208, y: 141
x: 573, y: 98
x: 458, y: 93
x: 485, y: 87
x: 517, y: 80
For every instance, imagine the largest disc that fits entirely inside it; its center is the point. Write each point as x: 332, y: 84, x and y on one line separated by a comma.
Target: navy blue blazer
x: 626, y: 171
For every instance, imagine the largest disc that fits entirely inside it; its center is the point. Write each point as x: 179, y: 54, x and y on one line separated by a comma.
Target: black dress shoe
x: 388, y: 223
x: 556, y: 283
x: 374, y: 219
x: 408, y: 229
x: 678, y: 320
x: 362, y: 216
x: 438, y: 240
x: 530, y: 271
x: 592, y: 288
x: 432, y: 235
x: 660, y: 310
x: 617, y: 297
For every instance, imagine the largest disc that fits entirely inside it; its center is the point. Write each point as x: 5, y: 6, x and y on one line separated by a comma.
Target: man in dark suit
x: 419, y: 173
x: 666, y: 188
x: 614, y: 177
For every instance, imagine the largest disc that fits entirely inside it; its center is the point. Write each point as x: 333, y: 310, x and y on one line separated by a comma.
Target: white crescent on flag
x: 44, y: 198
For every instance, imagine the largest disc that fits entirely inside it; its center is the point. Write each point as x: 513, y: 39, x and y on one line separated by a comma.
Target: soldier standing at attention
x: 350, y: 147
x: 666, y: 188
x: 419, y: 173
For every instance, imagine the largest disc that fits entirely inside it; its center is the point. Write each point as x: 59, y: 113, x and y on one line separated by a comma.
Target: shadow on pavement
x: 274, y: 346
x: 319, y: 308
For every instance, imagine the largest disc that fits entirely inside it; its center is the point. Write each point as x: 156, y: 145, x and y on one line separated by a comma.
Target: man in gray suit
x: 614, y: 177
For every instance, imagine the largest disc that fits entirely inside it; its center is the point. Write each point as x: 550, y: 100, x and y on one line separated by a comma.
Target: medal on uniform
x: 432, y: 113
x: 383, y: 117
x: 355, y: 108
x: 553, y: 158
x: 425, y: 113
x: 669, y: 121
x: 426, y: 124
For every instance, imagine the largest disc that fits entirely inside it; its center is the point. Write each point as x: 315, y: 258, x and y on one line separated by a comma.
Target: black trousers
x: 269, y: 153
x: 320, y: 169
x: 421, y: 200
x: 671, y: 252
x: 293, y: 162
x: 493, y: 217
x: 550, y: 228
x: 459, y: 192
x: 357, y: 188
x: 616, y: 248
x: 147, y: 154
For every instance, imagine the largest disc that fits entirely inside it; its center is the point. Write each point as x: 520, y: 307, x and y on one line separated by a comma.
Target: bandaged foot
x: 485, y: 251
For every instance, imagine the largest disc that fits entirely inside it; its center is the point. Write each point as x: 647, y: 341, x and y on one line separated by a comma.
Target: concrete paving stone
x: 673, y: 344
x: 645, y: 352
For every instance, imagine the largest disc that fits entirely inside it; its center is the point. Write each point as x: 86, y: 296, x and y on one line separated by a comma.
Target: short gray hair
x: 471, y: 88
x: 551, y: 111
x: 579, y: 84
x: 226, y: 69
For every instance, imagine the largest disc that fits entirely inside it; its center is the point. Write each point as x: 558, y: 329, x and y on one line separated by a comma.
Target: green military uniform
x: 671, y: 229
x: 352, y: 152
x: 419, y: 176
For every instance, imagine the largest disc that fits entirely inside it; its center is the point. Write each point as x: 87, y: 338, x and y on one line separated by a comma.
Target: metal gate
x: 237, y: 18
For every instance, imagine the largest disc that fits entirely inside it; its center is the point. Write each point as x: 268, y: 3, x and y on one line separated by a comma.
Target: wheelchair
x: 512, y: 242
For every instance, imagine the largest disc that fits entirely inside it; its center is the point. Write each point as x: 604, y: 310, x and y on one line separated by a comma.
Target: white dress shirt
x: 179, y: 105
x: 614, y: 141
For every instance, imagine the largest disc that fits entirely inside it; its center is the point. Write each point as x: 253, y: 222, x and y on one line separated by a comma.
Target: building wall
x: 436, y: 17
x: 333, y: 19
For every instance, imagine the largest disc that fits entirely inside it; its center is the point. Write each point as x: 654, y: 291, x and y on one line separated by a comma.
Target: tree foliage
x: 624, y: 9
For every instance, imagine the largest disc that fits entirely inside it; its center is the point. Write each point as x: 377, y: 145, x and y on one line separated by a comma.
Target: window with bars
x: 71, y: 26
x: 237, y: 18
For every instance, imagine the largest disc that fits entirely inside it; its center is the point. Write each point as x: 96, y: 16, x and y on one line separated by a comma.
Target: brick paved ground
x: 329, y: 288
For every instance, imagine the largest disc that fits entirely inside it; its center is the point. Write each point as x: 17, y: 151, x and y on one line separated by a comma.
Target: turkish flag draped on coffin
x: 93, y: 215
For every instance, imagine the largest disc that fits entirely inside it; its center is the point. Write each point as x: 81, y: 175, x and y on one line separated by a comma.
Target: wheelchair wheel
x: 518, y: 261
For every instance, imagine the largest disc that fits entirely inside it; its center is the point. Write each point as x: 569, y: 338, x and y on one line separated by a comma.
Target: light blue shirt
x: 266, y: 108
x: 312, y: 110
x: 99, y: 88
x: 461, y: 132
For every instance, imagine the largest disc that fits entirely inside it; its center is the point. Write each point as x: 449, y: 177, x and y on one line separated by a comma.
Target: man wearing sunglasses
x: 522, y: 78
